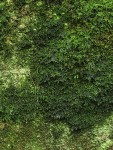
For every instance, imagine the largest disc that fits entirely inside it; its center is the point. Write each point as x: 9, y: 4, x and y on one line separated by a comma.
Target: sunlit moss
x: 102, y: 133
x: 39, y: 3
x: 12, y: 73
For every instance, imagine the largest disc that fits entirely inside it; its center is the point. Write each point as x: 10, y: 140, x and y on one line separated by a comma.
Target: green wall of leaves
x: 57, y: 60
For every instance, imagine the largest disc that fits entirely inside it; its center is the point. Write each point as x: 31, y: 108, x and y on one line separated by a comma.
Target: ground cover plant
x: 56, y: 66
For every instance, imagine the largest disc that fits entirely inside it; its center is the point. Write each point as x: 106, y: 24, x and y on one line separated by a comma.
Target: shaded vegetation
x: 56, y: 74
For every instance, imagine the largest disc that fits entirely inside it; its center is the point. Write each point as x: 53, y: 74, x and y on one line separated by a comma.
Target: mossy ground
x: 40, y: 135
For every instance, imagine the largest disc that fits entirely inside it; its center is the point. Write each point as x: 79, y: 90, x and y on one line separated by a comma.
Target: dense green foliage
x: 57, y: 60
